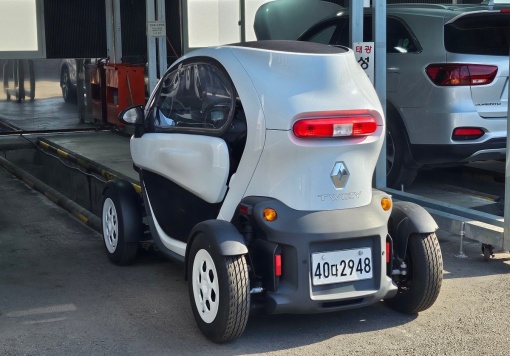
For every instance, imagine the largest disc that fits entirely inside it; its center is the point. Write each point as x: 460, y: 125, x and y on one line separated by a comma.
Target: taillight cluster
x: 345, y: 125
x: 458, y: 74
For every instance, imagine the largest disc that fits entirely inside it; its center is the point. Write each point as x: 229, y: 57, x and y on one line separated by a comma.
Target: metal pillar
x: 151, y: 48
x: 356, y: 23
x: 506, y: 234
x: 113, y: 31
x: 162, y: 54
x: 379, y: 36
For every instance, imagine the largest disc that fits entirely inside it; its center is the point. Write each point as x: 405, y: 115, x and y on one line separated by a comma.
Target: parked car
x: 447, y: 82
x: 256, y: 172
x: 68, y: 80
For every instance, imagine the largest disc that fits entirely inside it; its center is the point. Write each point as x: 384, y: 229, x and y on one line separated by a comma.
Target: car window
x: 194, y: 97
x: 478, y: 34
x: 399, y: 38
x: 325, y: 35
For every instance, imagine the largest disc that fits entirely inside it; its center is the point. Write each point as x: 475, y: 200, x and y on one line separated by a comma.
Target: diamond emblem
x: 339, y: 174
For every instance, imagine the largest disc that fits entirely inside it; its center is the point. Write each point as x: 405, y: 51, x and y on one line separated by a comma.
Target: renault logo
x: 339, y: 174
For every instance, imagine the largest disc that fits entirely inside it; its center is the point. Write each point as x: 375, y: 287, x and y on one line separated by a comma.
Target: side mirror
x: 132, y: 115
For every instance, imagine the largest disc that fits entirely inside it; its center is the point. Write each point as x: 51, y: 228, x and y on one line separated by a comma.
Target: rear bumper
x: 492, y: 149
x: 299, y: 234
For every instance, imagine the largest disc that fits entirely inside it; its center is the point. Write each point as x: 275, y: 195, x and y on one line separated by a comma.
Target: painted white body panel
x: 298, y: 172
x: 197, y: 163
x: 276, y: 89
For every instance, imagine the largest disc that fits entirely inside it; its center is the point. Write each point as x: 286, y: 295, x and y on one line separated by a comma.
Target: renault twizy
x: 256, y: 162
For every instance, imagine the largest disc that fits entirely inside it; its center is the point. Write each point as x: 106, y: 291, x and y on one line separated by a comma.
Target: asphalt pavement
x: 59, y: 295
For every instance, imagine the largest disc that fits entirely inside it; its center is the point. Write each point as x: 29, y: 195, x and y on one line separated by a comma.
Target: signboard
x: 21, y: 29
x: 364, y: 53
x: 156, y: 29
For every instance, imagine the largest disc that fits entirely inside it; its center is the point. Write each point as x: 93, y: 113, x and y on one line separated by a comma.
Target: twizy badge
x: 343, y: 196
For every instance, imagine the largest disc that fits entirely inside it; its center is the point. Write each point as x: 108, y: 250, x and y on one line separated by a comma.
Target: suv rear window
x: 478, y: 34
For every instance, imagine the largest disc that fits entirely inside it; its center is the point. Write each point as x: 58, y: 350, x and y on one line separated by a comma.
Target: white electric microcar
x: 256, y: 162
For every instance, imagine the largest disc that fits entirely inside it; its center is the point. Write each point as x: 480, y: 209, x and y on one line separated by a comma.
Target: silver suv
x: 447, y: 82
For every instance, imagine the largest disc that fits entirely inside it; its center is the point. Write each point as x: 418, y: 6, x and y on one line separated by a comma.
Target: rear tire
x: 120, y: 217
x: 219, y: 292
x: 397, y: 173
x: 425, y: 275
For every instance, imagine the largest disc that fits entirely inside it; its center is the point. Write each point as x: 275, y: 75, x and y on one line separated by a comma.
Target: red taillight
x: 277, y: 265
x: 505, y: 11
x: 461, y: 74
x: 388, y: 252
x: 362, y: 125
x: 467, y: 133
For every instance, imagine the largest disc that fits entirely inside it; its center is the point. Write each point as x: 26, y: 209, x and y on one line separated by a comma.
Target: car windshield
x: 485, y: 34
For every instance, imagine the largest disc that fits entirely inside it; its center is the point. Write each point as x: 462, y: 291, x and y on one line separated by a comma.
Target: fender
x: 408, y: 218
x: 130, y: 201
x: 224, y: 238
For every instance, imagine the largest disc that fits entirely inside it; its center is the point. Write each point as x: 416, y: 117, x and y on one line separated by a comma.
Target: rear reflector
x: 388, y: 252
x: 277, y: 265
x: 467, y: 133
x: 461, y: 74
x: 335, y: 127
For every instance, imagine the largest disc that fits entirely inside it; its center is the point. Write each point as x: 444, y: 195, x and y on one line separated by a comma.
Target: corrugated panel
x: 75, y: 29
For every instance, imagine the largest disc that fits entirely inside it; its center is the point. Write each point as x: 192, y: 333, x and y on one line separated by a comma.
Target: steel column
x: 151, y: 47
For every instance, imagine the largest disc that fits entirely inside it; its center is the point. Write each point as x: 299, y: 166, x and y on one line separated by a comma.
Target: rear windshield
x: 479, y: 34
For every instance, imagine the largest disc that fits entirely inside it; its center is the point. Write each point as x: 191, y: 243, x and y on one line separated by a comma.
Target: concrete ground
x: 59, y: 295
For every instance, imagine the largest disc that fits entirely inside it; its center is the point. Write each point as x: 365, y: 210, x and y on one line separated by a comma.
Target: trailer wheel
x: 420, y: 288
x: 117, y: 219
x: 219, y: 292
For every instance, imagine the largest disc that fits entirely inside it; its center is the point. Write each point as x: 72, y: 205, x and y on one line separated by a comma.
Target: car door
x: 183, y: 161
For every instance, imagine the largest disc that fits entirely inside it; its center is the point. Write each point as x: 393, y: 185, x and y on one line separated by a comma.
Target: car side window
x: 398, y: 38
x: 196, y: 97
x: 324, y: 36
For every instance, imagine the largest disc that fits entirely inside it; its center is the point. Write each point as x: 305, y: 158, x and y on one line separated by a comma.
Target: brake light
x: 461, y: 74
x: 505, y: 11
x: 467, y: 133
x: 361, y: 125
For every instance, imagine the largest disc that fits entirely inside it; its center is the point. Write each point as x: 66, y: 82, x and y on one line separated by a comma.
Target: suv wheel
x: 68, y: 92
x: 397, y: 173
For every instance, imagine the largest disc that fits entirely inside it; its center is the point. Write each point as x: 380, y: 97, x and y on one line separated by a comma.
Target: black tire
x: 68, y: 91
x: 121, y: 224
x: 425, y: 275
x: 397, y: 173
x: 222, y: 315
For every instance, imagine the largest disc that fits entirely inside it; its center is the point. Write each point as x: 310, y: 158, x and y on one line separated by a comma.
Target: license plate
x: 341, y: 266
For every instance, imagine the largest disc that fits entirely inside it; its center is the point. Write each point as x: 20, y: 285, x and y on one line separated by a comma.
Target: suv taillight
x: 352, y: 124
x: 461, y: 74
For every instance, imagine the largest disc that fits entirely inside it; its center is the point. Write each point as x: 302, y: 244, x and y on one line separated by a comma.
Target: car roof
x: 446, y: 11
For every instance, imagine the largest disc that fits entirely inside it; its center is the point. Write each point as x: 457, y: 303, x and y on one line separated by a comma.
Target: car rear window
x: 485, y: 33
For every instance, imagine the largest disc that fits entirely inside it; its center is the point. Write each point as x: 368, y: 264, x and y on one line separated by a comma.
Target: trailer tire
x: 117, y: 219
x: 419, y: 290
x: 219, y: 291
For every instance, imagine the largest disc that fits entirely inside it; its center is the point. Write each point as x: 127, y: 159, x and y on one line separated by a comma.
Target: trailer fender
x: 223, y: 238
x: 406, y: 219
x: 129, y: 200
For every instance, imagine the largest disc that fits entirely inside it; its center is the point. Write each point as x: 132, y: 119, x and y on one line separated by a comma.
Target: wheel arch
x: 406, y: 219
x: 225, y: 239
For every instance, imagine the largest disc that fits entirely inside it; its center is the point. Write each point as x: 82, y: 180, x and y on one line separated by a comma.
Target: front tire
x: 68, y: 92
x: 219, y: 292
x: 419, y: 290
x: 121, y: 224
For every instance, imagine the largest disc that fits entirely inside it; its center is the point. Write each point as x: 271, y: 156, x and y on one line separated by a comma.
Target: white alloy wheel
x: 205, y: 286
x: 110, y: 225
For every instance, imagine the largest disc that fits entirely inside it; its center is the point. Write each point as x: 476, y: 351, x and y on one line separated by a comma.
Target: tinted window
x: 399, y: 38
x: 195, y: 97
x: 478, y: 34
